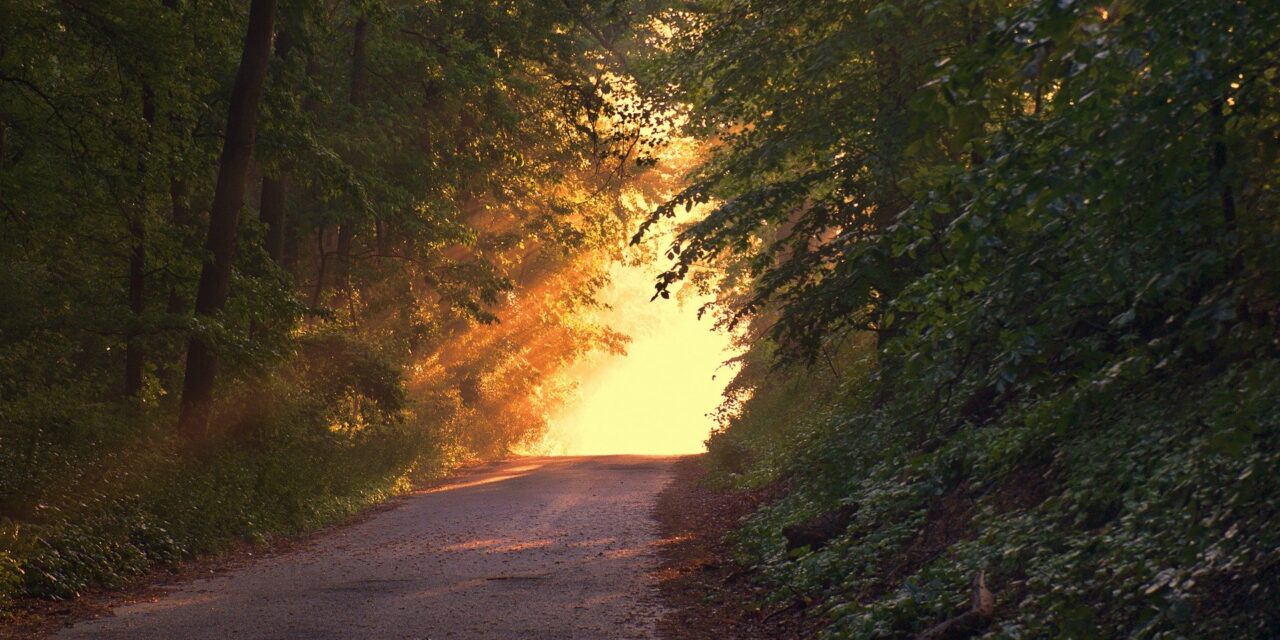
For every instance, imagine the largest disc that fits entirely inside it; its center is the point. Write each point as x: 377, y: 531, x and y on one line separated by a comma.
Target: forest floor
x: 523, y: 548
x: 707, y: 595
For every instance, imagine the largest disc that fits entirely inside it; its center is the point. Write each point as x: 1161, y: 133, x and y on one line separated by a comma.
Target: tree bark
x: 271, y: 213
x: 1227, y: 198
x: 359, y: 88
x: 134, y: 356
x: 275, y: 187
x: 347, y: 230
x: 381, y: 238
x: 346, y: 234
x: 224, y: 213
x: 178, y: 214
x: 323, y: 259
x: 359, y: 70
x: 289, y: 248
x: 180, y: 217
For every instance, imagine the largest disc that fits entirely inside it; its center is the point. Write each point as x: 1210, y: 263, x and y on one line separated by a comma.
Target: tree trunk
x: 1227, y: 198
x: 289, y: 248
x: 275, y: 187
x: 134, y: 357
x: 180, y: 217
x: 346, y: 234
x: 347, y: 230
x: 382, y: 241
x: 224, y: 213
x: 323, y: 262
x: 359, y: 72
x: 293, y: 230
x: 271, y: 213
x: 359, y: 88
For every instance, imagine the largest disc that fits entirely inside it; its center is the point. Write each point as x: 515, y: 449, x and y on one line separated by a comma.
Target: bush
x: 1104, y: 510
x: 312, y: 443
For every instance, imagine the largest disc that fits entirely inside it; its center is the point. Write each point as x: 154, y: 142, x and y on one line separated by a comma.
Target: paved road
x: 555, y: 548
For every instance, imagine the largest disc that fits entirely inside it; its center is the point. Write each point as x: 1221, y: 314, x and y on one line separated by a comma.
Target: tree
x: 815, y: 144
x: 215, y: 277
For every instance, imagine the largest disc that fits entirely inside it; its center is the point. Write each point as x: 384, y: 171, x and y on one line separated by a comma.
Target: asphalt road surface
x: 555, y: 548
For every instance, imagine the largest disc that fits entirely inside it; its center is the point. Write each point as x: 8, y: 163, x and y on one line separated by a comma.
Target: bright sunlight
x: 656, y: 398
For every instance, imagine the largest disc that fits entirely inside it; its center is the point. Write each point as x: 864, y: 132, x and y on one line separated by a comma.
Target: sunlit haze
x: 656, y: 399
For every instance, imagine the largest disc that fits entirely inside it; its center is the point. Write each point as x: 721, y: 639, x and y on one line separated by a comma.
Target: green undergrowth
x: 1110, y: 508
x: 94, y: 494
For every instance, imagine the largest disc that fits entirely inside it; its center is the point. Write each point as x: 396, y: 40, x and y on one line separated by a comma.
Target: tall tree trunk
x: 275, y: 185
x: 179, y: 217
x: 323, y: 258
x: 1227, y: 198
x: 224, y: 213
x: 381, y: 241
x: 289, y: 248
x: 359, y: 70
x: 346, y: 234
x: 293, y: 230
x: 347, y: 230
x: 359, y: 89
x: 134, y: 357
x: 271, y: 213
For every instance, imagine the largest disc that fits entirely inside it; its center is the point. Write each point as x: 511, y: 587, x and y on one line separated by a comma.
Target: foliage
x: 434, y: 201
x: 124, y: 500
x: 1106, y: 510
x: 1058, y: 221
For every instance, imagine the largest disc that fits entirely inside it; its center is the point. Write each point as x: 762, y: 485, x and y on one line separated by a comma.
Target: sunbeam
x: 657, y: 398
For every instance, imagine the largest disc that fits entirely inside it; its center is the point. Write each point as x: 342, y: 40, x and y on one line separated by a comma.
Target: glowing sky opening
x: 656, y: 399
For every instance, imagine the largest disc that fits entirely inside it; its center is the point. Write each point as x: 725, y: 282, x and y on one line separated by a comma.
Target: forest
x: 1005, y: 276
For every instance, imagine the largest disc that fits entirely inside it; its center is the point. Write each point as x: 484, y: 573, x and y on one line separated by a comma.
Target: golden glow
x: 656, y: 398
